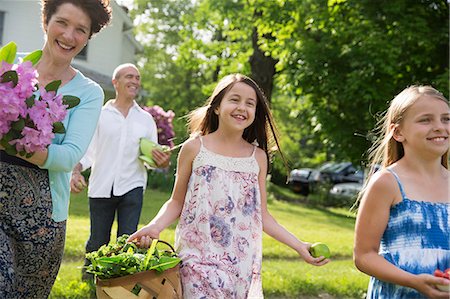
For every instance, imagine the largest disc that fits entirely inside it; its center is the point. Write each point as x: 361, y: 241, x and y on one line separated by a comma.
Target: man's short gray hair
x: 121, y: 67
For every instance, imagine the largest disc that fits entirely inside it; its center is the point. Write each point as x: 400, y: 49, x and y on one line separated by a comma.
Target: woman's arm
x: 82, y: 121
x: 272, y: 227
x: 79, y: 131
x: 171, y: 210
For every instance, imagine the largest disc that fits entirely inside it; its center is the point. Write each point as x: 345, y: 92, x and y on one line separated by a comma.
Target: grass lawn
x: 285, y: 275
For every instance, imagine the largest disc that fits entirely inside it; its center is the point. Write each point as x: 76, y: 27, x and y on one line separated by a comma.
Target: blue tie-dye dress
x: 416, y: 240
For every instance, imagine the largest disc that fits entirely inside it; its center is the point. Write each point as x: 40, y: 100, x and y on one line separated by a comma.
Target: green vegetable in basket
x: 120, y: 258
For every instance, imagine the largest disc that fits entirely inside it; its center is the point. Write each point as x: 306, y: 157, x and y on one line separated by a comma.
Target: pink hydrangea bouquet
x: 28, y: 122
x: 164, y: 125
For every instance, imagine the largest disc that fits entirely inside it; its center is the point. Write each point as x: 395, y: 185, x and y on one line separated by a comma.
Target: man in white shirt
x: 118, y: 178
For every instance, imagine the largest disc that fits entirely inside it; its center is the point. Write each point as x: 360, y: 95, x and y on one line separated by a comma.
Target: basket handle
x: 159, y: 241
x: 168, y: 244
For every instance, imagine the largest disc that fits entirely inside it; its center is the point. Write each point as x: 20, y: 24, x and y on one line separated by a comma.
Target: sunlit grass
x: 294, y: 279
x: 284, y: 275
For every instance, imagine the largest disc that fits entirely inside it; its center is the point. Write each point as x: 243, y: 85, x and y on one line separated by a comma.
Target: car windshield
x: 326, y: 166
x: 337, y: 167
x: 303, y: 172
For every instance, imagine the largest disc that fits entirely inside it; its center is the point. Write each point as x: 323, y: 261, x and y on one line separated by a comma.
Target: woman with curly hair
x: 34, y: 192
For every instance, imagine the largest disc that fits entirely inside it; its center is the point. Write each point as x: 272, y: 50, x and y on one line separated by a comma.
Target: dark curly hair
x: 99, y: 11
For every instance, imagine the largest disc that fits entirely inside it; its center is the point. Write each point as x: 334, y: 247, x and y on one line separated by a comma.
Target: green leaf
x: 10, y: 76
x: 71, y: 101
x: 12, y: 134
x: 11, y: 150
x: 150, y: 252
x: 18, y: 125
x: 53, y: 86
x: 165, y: 263
x: 58, y: 128
x: 8, y: 52
x: 4, y: 142
x: 33, y: 56
x: 30, y: 101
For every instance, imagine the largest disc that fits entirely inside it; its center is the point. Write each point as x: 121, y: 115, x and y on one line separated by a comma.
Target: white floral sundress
x: 219, y: 234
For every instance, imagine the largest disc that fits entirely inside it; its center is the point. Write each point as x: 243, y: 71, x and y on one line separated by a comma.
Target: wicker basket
x: 150, y: 285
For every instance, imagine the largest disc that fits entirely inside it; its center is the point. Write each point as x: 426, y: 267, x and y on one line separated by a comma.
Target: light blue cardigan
x: 67, y: 149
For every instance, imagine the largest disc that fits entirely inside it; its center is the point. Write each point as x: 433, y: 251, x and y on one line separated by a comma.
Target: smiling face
x: 425, y: 127
x: 238, y: 107
x: 127, y: 82
x: 67, y: 32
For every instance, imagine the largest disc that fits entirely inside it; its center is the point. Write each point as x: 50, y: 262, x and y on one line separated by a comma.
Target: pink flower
x: 164, y: 125
x: 56, y: 109
x: 39, y: 115
x: 33, y: 140
x: 24, y: 116
x: 11, y: 107
x: 27, y: 79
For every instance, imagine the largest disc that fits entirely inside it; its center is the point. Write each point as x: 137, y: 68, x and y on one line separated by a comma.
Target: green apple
x: 320, y: 249
x: 147, y: 146
x: 148, y: 160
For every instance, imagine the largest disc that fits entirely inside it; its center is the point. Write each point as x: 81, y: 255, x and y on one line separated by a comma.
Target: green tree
x: 328, y: 66
x: 352, y: 57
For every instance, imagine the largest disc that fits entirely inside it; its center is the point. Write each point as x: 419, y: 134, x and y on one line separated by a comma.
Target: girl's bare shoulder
x: 261, y: 158
x: 383, y: 185
x: 260, y: 153
x: 190, y: 147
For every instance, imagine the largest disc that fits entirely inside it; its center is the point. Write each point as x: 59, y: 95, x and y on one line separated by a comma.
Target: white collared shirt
x: 114, y: 150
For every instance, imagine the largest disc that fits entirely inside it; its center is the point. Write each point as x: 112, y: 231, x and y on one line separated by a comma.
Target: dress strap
x: 398, y: 182
x: 254, y: 150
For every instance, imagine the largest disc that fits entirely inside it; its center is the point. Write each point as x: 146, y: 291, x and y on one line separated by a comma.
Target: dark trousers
x: 102, y: 212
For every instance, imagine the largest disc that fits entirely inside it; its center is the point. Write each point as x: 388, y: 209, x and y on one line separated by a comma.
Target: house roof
x: 103, y: 80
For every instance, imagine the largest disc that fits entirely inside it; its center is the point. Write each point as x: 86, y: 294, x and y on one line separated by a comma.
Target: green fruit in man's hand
x: 147, y: 146
x: 320, y: 249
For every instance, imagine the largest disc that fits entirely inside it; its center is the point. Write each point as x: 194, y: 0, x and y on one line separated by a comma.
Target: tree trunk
x: 262, y: 66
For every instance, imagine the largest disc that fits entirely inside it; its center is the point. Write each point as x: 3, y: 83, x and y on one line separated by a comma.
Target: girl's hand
x: 144, y: 236
x: 303, y: 251
x: 426, y: 284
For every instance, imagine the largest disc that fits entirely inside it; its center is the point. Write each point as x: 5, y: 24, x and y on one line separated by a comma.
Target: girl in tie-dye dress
x: 402, y: 228
x: 220, y: 196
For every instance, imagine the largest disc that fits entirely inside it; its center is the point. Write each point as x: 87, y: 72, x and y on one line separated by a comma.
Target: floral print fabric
x: 219, y: 234
x: 31, y: 242
x: 417, y: 240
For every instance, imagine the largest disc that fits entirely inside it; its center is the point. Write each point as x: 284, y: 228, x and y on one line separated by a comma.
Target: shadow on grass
x: 286, y: 195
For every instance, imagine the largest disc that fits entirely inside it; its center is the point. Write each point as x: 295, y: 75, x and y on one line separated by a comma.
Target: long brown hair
x: 203, y: 120
x: 386, y: 150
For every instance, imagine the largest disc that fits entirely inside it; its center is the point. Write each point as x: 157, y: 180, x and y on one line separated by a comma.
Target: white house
x: 20, y: 21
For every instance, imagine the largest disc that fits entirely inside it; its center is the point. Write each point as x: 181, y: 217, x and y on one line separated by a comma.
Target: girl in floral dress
x: 220, y: 196
x: 402, y: 228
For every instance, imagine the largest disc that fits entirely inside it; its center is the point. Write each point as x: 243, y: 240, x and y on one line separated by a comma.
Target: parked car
x: 344, y: 194
x: 311, y: 180
x: 342, y: 173
x: 304, y: 180
x: 299, y: 180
